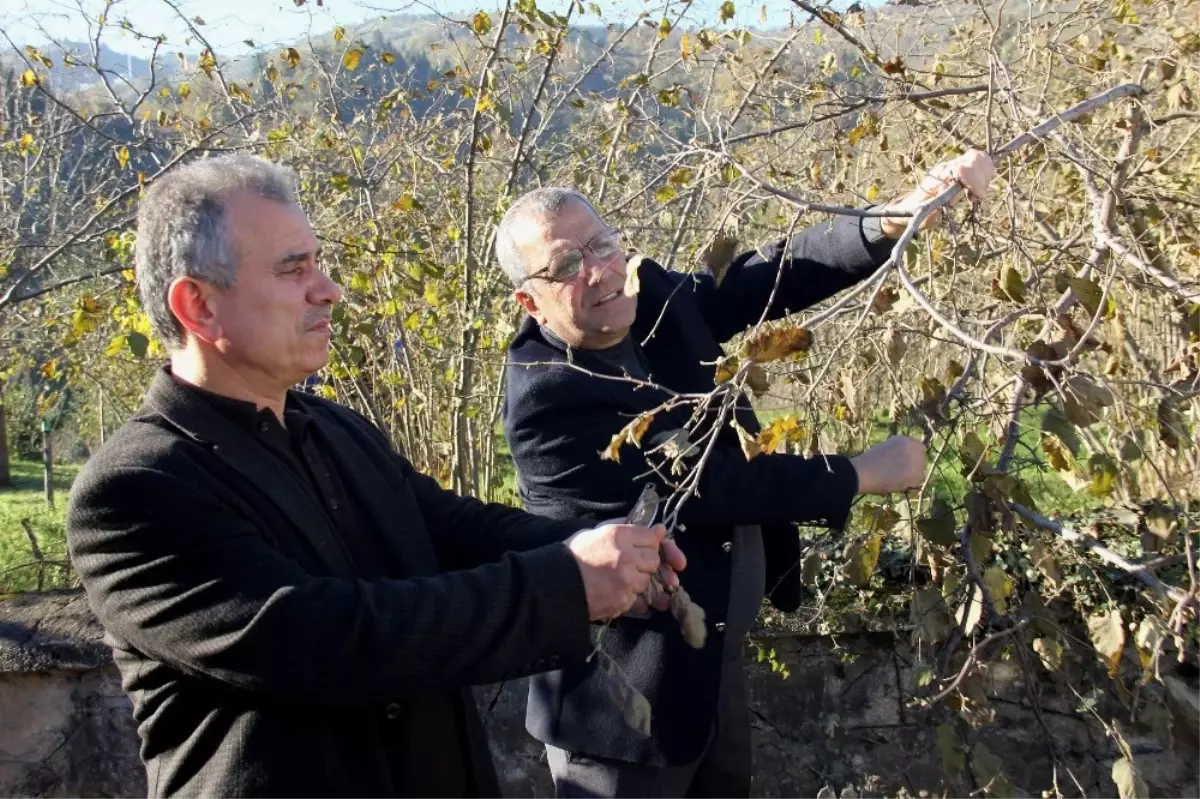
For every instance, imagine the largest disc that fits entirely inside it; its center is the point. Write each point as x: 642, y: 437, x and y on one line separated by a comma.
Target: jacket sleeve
x: 557, y: 450
x: 181, y: 577
x: 817, y: 263
x: 456, y: 523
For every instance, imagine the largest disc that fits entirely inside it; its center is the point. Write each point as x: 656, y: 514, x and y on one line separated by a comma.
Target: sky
x: 227, y: 23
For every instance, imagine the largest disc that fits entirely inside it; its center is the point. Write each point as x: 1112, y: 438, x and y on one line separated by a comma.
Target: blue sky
x: 270, y: 22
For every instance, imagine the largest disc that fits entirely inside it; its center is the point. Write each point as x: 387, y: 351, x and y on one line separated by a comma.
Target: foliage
x: 1046, y: 346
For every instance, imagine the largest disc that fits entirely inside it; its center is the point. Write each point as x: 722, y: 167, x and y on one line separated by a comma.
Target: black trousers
x: 722, y: 770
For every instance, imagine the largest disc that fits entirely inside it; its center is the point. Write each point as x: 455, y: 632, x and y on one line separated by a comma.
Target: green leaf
x: 938, y: 526
x: 950, y: 748
x: 481, y: 23
x: 1102, y: 474
x: 665, y: 194
x: 137, y: 343
x: 999, y: 586
x: 981, y: 548
x: 1054, y: 422
x: 880, y: 518
x: 1088, y: 292
x: 988, y: 771
x: 930, y: 620
x: 861, y: 559
x: 727, y: 11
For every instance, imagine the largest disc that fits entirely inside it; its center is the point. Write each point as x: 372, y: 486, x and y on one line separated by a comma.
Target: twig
x: 1104, y: 553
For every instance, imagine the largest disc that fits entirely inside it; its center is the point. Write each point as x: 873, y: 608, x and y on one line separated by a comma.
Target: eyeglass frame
x: 581, y: 250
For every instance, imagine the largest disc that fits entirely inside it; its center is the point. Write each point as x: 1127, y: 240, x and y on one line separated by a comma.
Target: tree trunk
x: 5, y: 473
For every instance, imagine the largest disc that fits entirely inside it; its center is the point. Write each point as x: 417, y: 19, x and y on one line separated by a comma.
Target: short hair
x: 183, y: 229
x: 539, y: 204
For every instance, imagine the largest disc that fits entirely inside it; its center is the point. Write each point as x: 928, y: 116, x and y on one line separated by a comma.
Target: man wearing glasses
x: 589, y: 358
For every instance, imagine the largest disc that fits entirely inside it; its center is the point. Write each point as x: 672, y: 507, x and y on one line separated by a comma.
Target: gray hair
x: 183, y: 231
x: 539, y: 204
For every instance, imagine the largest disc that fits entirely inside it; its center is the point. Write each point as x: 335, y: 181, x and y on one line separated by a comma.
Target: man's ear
x: 529, y: 302
x: 191, y: 301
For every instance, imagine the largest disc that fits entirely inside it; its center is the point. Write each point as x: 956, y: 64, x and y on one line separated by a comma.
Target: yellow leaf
x: 772, y: 343
x: 872, y: 193
x: 999, y: 586
x: 727, y: 367
x: 25, y: 143
x: 785, y: 428
x: 339, y: 33
x: 387, y: 58
x: 292, y: 57
x: 685, y: 46
x: 351, y: 58
x: 184, y: 90
x: 271, y: 73
x: 29, y: 79
x: 481, y: 23
x: 861, y: 559
x: 207, y: 62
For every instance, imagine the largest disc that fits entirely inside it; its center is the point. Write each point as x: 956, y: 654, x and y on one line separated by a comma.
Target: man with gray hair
x: 594, y: 355
x: 295, y: 610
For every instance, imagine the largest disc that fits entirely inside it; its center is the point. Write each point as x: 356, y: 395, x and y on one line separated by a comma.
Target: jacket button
x: 727, y: 546
x: 720, y: 626
x: 392, y: 711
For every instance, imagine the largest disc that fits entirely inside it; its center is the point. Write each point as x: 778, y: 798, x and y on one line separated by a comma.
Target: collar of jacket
x: 184, y: 409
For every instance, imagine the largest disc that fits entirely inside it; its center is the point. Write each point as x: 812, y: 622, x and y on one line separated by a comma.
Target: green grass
x: 24, y: 500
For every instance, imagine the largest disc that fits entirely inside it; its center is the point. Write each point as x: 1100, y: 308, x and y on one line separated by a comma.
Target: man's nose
x: 327, y: 292
x: 595, y: 268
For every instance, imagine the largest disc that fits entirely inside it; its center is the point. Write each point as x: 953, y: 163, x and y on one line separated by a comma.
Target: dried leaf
x: 938, y: 526
x: 756, y: 378
x: 1088, y: 292
x: 351, y: 58
x: 971, y: 452
x: 1084, y: 400
x: 292, y: 56
x: 893, y: 344
x: 750, y: 445
x: 1057, y: 455
x: 981, y: 548
x: 1149, y: 640
x: 969, y: 614
x: 635, y: 709
x: 861, y: 559
x: 1044, y: 562
x: 1171, y: 430
x: 629, y: 434
x: 810, y: 567
x: 1107, y: 632
x: 481, y: 23
x: 1055, y: 423
x: 690, y: 617
x: 1129, y: 784
x: 727, y: 367
x: 879, y: 518
x: 633, y: 283
x: 775, y: 342
x: 1050, y: 651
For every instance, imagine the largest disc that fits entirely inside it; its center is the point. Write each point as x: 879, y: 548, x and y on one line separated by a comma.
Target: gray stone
x: 841, y: 725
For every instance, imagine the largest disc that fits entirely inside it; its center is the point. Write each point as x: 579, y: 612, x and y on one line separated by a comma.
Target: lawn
x: 24, y: 501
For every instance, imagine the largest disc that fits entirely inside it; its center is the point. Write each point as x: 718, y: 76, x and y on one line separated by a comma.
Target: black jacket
x: 258, y: 662
x: 558, y: 418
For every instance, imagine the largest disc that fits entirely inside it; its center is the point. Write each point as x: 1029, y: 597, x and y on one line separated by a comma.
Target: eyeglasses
x: 566, y: 265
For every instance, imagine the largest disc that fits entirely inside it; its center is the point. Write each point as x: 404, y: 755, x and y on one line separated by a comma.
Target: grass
x: 24, y: 501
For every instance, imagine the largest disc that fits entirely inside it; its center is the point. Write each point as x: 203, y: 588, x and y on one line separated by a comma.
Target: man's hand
x: 897, y: 464
x: 973, y: 170
x: 616, y: 561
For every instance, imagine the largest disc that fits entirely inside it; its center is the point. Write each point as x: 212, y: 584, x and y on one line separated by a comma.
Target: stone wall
x: 840, y: 724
